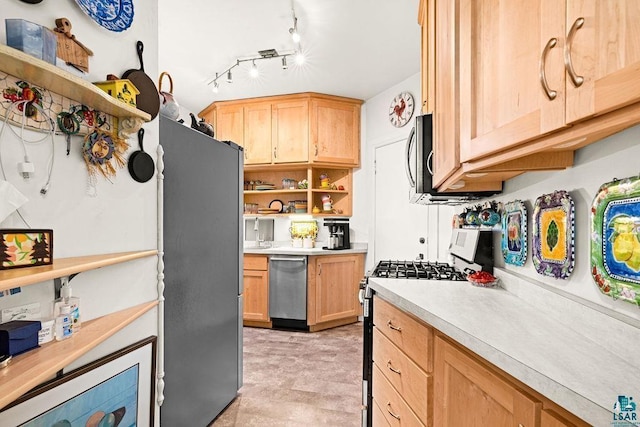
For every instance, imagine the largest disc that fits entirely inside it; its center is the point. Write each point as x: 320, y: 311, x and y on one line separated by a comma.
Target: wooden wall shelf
x: 50, y: 77
x: 64, y: 267
x: 26, y: 371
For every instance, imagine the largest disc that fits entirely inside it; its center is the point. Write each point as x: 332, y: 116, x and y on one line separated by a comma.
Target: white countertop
x: 285, y: 248
x: 581, y: 374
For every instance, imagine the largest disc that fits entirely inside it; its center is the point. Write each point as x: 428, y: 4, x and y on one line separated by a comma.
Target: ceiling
x: 353, y: 48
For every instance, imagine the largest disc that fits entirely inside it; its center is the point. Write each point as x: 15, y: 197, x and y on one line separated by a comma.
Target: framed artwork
x: 514, y: 233
x: 615, y: 248
x: 25, y: 248
x: 553, y: 234
x: 116, y: 390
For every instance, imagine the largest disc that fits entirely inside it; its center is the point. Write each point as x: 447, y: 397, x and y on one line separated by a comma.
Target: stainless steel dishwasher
x: 288, y: 291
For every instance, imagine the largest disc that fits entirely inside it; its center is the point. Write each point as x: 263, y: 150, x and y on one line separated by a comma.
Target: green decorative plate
x: 615, y: 239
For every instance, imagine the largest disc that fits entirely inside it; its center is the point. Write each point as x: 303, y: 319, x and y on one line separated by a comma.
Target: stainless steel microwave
x: 419, y: 160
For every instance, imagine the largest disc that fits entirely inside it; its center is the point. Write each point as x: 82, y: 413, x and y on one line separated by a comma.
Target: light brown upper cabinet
x: 603, y: 52
x: 504, y: 47
x: 290, y: 138
x: 519, y: 86
x: 298, y: 128
x: 335, y: 131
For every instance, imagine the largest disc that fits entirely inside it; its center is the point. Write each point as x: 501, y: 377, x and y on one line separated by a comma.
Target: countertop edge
x: 288, y: 250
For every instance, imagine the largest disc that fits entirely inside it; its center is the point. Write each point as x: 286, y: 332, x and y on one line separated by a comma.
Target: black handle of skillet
x: 140, y: 48
x: 140, y: 136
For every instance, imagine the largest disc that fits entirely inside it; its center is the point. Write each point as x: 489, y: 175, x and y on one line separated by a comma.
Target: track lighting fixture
x: 265, y: 54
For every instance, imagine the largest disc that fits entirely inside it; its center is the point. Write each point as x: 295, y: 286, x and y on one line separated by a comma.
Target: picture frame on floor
x: 116, y: 390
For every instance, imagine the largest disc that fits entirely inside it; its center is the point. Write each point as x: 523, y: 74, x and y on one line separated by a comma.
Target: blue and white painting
x: 112, y: 403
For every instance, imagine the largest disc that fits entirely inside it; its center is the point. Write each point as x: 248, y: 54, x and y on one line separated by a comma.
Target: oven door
x: 367, y: 357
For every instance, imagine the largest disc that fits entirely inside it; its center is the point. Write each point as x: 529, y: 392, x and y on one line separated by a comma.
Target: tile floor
x: 299, y: 379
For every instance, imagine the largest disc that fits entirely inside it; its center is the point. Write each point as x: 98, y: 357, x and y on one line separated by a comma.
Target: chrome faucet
x: 256, y: 228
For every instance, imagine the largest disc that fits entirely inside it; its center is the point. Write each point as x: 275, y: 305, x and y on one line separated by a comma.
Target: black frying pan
x: 141, y: 166
x: 148, y: 99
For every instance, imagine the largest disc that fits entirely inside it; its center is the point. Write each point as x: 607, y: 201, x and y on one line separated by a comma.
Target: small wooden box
x: 121, y: 89
x: 25, y: 248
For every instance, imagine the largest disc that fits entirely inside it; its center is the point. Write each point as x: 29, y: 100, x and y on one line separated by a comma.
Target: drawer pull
x: 575, y: 78
x: 395, y: 328
x: 551, y: 94
x: 392, y: 369
x: 397, y: 417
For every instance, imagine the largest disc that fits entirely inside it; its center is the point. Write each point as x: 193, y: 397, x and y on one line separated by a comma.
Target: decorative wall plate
x: 514, y: 233
x: 553, y: 234
x: 114, y: 15
x: 615, y: 245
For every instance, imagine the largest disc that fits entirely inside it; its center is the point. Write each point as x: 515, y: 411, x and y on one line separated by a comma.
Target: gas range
x: 471, y: 250
x: 425, y: 270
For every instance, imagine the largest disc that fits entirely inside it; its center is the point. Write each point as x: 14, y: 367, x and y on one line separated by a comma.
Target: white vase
x: 307, y: 243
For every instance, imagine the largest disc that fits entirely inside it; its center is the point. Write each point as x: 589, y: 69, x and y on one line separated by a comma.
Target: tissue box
x: 33, y: 39
x: 18, y: 336
x: 25, y: 248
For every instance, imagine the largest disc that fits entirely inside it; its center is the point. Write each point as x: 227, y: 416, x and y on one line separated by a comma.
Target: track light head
x: 284, y: 63
x: 229, y: 77
x: 253, y: 72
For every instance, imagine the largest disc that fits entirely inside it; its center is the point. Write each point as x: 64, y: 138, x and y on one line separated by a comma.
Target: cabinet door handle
x: 320, y: 269
x: 392, y: 369
x: 551, y: 94
x: 316, y: 145
x: 575, y: 78
x: 396, y: 416
x: 275, y: 152
x: 395, y: 328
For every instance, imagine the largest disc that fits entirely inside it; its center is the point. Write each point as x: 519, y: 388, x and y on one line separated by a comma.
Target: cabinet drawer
x: 414, y: 338
x: 377, y: 416
x: 393, y: 407
x: 255, y: 262
x: 411, y: 382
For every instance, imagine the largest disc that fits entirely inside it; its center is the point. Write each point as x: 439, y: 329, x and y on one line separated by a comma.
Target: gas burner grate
x: 426, y: 270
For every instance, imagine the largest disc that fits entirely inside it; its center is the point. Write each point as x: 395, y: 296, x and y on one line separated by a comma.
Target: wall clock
x: 401, y: 109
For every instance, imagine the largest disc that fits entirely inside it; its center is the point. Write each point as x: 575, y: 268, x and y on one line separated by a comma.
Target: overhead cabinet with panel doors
x: 297, y: 128
x: 532, y: 82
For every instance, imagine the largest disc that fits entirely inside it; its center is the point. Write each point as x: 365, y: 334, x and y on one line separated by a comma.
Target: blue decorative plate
x: 514, y: 233
x: 114, y: 15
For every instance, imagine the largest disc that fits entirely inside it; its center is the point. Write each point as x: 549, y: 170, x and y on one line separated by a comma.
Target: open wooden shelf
x: 26, y: 371
x: 64, y: 267
x: 48, y: 76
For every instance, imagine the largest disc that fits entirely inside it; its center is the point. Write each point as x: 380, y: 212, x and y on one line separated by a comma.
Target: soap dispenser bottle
x: 66, y: 298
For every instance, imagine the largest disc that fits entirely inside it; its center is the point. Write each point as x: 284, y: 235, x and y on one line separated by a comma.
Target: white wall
x: 122, y: 217
x: 594, y: 165
x: 378, y: 131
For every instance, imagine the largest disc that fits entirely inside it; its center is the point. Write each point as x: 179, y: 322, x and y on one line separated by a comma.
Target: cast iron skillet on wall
x: 148, y: 99
x: 141, y: 166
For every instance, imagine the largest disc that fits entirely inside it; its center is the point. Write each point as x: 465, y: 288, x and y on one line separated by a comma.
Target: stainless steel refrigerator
x: 203, y: 274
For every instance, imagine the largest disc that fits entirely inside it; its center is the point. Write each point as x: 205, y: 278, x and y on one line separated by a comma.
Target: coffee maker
x: 338, y: 233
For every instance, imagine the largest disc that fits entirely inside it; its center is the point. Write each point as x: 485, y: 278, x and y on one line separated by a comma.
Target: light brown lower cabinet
x: 462, y: 389
x: 394, y: 409
x: 333, y: 286
x: 255, y: 311
x: 332, y: 290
